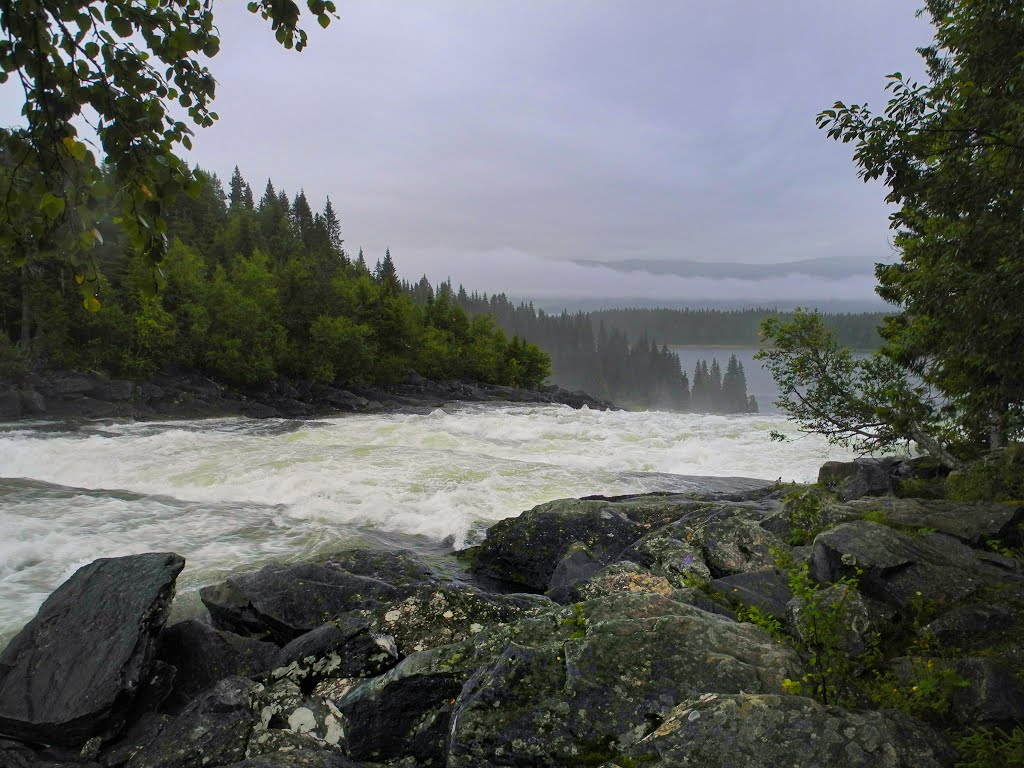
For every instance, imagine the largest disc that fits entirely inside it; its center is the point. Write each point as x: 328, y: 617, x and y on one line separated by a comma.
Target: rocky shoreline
x: 189, y: 395
x: 655, y: 630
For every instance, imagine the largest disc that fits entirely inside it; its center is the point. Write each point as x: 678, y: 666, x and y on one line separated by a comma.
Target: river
x: 236, y: 493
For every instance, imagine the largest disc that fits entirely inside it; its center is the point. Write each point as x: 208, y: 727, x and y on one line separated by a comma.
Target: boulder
x: 203, y: 656
x: 32, y: 403
x: 900, y: 569
x: 973, y: 522
x: 767, y: 591
x: 737, y: 545
x: 577, y: 566
x: 281, y: 602
x: 55, y: 685
x: 971, y: 626
x: 614, y: 673
x: 298, y: 758
x: 213, y: 730
x: 670, y: 552
x: 860, y: 477
x: 526, y: 550
x: 290, y: 719
x: 993, y: 697
x: 343, y: 648
x: 767, y: 730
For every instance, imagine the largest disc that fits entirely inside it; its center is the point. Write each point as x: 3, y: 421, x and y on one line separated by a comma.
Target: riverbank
x: 189, y: 395
x: 745, y: 624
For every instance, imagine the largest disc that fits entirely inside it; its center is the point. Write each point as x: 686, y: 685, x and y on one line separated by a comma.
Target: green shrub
x: 991, y: 748
x: 999, y: 477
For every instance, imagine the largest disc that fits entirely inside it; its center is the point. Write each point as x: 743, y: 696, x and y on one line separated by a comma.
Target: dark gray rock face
x: 213, y: 730
x: 628, y: 659
x: 203, y: 655
x: 897, y: 568
x: 344, y: 648
x: 992, y: 696
x: 75, y: 670
x: 767, y: 591
x: 282, y: 602
x: 298, y: 758
x: 767, y: 731
x: 526, y: 550
x: 860, y: 477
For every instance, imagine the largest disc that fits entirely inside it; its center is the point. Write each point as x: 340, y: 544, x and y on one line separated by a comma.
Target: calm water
x: 230, y: 493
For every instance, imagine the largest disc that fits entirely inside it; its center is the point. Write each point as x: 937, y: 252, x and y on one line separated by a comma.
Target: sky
x: 553, y: 148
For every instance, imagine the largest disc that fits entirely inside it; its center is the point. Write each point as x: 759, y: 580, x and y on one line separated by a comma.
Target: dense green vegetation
x: 248, y: 292
x: 730, y: 328
x: 121, y: 70
x: 949, y: 375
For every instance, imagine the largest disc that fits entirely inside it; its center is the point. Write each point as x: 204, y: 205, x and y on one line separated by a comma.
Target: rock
x: 900, y: 569
x: 671, y: 553
x: 343, y: 648
x: 203, y: 655
x: 72, y: 385
x: 609, y: 678
x: 860, y: 477
x: 298, y: 758
x: 859, y: 630
x: 577, y: 565
x: 449, y: 612
x: 971, y: 522
x: 526, y: 550
x: 291, y: 719
x: 737, y: 545
x: 116, y: 390
x: 622, y: 576
x: 55, y: 687
x: 993, y: 697
x: 10, y: 404
x: 213, y: 730
x: 767, y: 591
x: 282, y: 602
x: 407, y: 710
x: 768, y: 731
x: 970, y: 626
x: 32, y: 403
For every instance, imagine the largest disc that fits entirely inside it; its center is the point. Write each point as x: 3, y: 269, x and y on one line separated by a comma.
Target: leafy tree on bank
x: 950, y: 375
x: 113, y: 68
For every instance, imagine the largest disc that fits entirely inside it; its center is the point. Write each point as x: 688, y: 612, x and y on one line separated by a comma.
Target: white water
x: 236, y: 493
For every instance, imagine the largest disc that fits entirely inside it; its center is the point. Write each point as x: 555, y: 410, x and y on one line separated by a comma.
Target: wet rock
x: 767, y: 731
x: 55, y: 687
x: 10, y: 404
x: 860, y: 477
x: 203, y: 655
x: 526, y: 550
x: 213, y: 730
x: 767, y: 591
x: 899, y: 569
x: 614, y: 674
x: 993, y: 697
x: 282, y: 602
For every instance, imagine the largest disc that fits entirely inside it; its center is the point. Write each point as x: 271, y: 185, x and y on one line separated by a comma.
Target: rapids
x: 231, y: 494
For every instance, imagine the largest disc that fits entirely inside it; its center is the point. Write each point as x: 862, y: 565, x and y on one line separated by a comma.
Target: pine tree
x: 333, y: 227
x: 236, y: 196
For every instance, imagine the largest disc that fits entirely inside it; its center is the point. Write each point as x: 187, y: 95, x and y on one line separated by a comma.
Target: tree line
x: 732, y: 328
x: 250, y: 290
x: 602, y: 360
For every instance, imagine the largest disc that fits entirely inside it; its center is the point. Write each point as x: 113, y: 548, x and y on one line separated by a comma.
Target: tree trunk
x: 934, y: 448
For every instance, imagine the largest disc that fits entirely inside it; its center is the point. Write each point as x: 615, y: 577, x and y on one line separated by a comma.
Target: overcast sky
x: 499, y: 142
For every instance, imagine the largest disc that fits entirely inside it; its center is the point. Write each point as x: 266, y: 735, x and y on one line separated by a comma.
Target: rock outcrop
x: 75, y: 671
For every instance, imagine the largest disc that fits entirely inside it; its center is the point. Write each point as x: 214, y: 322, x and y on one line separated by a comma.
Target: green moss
x: 999, y: 477
x: 576, y: 622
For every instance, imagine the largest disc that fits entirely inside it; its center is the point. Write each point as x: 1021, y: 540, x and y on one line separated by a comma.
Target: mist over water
x: 237, y: 493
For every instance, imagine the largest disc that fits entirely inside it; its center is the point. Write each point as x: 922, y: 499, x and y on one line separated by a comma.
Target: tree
x: 114, y: 68
x: 951, y: 153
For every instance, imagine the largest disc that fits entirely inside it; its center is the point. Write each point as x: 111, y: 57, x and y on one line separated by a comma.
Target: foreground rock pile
x: 586, y: 632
